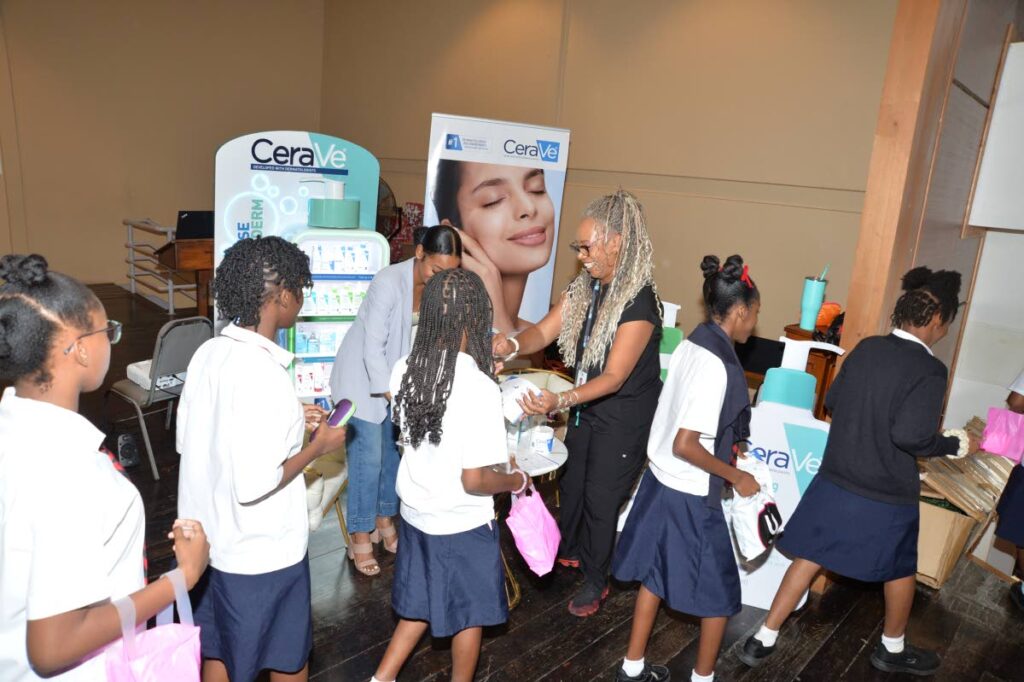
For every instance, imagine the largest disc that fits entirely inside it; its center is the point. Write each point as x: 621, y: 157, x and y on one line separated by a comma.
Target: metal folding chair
x: 176, y: 343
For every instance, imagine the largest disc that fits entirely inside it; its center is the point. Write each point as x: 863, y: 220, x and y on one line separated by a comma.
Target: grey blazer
x: 378, y: 339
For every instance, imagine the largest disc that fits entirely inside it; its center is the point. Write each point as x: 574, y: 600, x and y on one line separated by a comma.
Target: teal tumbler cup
x: 810, y: 303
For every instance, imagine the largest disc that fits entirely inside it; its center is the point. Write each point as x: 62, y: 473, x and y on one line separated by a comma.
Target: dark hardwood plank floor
x: 970, y: 621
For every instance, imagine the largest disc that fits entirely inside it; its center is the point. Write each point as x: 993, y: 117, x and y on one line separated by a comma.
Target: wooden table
x: 195, y: 255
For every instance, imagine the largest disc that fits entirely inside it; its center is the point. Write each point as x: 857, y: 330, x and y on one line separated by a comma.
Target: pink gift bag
x: 1004, y: 434
x: 534, y: 530
x: 167, y: 653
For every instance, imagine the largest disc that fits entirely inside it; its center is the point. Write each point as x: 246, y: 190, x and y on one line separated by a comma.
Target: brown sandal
x: 369, y: 566
x: 386, y: 533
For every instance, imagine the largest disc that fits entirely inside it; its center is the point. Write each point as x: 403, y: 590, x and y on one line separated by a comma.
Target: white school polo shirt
x: 238, y: 421
x: 71, y: 527
x: 430, y: 476
x: 691, y: 399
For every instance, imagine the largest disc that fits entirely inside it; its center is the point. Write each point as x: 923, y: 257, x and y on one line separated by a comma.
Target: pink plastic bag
x: 1004, y: 434
x: 167, y: 653
x: 534, y: 530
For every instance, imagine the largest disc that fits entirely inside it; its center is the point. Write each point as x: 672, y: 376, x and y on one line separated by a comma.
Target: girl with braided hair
x: 608, y: 326
x: 860, y: 515
x: 240, y: 435
x: 447, y: 406
x: 71, y: 536
x: 382, y: 332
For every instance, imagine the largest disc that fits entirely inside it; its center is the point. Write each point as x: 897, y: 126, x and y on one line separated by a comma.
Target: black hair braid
x: 926, y: 294
x: 254, y: 270
x: 724, y: 286
x: 454, y: 303
x: 34, y: 303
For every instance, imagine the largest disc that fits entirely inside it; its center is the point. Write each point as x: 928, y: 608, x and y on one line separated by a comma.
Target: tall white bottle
x: 785, y: 434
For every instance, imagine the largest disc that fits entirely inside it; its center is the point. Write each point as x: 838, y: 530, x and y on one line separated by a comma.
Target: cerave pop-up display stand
x: 321, y: 193
x: 343, y: 263
x: 785, y: 435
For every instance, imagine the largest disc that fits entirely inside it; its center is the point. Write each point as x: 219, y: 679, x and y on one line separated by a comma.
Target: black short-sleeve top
x: 635, y: 402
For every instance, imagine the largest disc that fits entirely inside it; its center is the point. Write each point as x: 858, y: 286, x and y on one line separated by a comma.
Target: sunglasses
x: 112, y: 330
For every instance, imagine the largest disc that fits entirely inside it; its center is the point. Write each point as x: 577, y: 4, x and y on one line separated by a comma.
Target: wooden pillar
x: 922, y: 55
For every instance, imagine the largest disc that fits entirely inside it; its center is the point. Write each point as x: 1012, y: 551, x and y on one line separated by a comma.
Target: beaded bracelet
x: 526, y: 481
x: 514, y: 341
x: 567, y: 399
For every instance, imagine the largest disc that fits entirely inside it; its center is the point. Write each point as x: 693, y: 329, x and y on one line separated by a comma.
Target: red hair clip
x: 745, y: 277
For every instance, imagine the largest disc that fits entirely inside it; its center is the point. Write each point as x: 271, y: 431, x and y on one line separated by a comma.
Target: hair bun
x: 25, y: 270
x: 916, y: 278
x: 710, y: 266
x: 732, y: 270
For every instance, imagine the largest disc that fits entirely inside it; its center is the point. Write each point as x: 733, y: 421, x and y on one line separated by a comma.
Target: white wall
x: 992, y: 350
x: 997, y: 196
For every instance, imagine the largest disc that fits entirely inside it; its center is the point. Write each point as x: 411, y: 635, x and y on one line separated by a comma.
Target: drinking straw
x: 821, y: 277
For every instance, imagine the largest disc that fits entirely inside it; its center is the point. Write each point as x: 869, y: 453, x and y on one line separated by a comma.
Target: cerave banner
x: 502, y: 184
x: 265, y: 181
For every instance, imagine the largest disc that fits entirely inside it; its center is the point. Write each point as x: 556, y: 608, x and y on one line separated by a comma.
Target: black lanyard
x: 588, y: 327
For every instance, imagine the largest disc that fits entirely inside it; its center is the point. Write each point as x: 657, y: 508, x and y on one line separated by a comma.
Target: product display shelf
x: 343, y: 263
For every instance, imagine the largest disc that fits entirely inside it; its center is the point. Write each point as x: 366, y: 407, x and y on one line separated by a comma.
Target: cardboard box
x: 940, y: 543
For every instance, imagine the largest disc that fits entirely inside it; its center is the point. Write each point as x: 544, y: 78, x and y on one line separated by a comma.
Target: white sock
x: 893, y: 645
x: 767, y: 636
x: 632, y: 668
x: 374, y: 679
x: 697, y: 677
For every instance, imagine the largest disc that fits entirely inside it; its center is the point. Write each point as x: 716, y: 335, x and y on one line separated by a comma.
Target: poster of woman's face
x: 508, y: 215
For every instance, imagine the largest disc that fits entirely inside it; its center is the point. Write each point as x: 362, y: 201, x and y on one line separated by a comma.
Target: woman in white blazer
x: 382, y: 334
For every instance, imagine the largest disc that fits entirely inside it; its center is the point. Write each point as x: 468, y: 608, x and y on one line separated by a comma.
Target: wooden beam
x: 921, y: 55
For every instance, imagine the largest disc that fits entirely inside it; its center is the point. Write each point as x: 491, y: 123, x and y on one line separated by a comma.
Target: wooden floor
x: 970, y: 621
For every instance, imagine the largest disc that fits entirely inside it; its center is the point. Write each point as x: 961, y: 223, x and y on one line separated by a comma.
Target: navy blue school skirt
x: 852, y: 535
x: 255, y: 622
x: 453, y: 581
x: 1011, y: 509
x: 679, y: 549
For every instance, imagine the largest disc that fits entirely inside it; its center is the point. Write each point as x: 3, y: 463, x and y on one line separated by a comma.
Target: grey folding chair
x: 176, y: 343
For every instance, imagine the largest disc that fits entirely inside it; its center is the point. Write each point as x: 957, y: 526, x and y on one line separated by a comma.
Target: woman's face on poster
x: 509, y: 211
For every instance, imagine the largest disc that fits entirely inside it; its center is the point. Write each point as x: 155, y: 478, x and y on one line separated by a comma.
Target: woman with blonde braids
x: 608, y: 326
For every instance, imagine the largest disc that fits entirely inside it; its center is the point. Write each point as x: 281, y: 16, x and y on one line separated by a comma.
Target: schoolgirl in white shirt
x: 71, y: 525
x: 240, y: 434
x: 675, y: 541
x: 448, y: 571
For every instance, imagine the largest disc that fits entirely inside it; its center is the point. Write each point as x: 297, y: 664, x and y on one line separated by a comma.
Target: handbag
x: 534, y: 530
x: 1004, y: 434
x: 167, y: 653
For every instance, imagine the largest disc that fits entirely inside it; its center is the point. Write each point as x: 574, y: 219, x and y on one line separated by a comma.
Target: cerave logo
x: 453, y: 142
x: 329, y: 160
x: 802, y: 458
x: 545, y: 150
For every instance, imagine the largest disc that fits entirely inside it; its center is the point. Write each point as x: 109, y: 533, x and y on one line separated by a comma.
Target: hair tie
x: 745, y: 277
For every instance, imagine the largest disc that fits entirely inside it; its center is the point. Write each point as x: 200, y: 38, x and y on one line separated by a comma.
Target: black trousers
x: 599, y: 475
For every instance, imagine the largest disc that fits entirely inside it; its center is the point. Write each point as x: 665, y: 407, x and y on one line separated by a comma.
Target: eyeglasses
x: 112, y: 330
x: 582, y: 247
